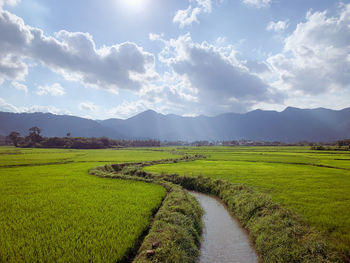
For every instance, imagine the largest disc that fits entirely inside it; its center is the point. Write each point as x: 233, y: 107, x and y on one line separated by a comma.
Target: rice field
x: 315, y: 184
x: 52, y: 210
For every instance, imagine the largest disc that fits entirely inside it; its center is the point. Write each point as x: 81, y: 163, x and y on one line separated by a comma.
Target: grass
x: 177, y: 229
x: 293, y: 176
x: 279, y: 234
x: 52, y: 210
x: 10, y: 156
x: 175, y: 232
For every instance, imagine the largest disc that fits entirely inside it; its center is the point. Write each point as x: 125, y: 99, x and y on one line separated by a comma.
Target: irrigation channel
x: 223, y: 239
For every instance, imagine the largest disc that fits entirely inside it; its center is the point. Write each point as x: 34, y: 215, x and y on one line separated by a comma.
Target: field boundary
x: 306, y: 164
x: 175, y: 231
x: 278, y: 234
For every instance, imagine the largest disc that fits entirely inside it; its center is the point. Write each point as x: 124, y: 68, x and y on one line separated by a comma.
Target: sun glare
x: 135, y: 5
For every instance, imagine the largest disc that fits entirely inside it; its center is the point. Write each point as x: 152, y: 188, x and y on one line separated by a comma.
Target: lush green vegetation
x: 52, y: 210
x: 175, y: 232
x: 315, y: 184
x: 279, y: 234
x: 177, y: 229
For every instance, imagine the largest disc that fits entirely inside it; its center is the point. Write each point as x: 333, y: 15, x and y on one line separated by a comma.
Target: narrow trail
x: 223, y: 239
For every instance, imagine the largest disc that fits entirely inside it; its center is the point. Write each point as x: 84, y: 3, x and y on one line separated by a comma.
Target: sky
x: 117, y: 58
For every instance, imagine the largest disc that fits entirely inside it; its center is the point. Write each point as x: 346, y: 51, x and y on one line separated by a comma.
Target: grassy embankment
x: 174, y: 235
x: 52, y: 210
x: 314, y: 184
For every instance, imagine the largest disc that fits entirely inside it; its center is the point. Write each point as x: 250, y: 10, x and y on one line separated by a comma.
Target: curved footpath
x: 278, y: 234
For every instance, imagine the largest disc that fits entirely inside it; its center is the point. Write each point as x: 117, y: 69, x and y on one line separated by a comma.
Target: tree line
x: 35, y: 140
x: 340, y: 145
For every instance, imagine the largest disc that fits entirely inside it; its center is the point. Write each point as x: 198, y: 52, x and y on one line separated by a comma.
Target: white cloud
x: 12, y: 67
x: 221, y: 41
x: 257, y: 3
x: 190, y: 15
x: 40, y: 108
x: 72, y: 55
x: 154, y: 37
x: 88, y: 106
x: 8, y: 107
x: 209, y: 79
x: 128, y: 109
x: 9, y: 2
x: 315, y: 59
x: 19, y: 86
x: 156, y: 98
x: 53, y: 90
x: 278, y: 26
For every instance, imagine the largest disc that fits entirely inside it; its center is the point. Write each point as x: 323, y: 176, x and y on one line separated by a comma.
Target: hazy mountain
x: 54, y: 125
x: 290, y: 125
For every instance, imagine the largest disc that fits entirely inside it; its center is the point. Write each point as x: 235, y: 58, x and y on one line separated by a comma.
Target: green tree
x: 34, y: 130
x: 34, y: 135
x: 14, y: 137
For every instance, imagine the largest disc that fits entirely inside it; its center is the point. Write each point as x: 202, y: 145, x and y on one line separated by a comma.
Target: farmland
x: 315, y: 184
x: 51, y: 209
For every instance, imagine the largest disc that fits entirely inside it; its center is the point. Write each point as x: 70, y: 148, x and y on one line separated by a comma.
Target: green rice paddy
x: 52, y: 210
x: 315, y: 184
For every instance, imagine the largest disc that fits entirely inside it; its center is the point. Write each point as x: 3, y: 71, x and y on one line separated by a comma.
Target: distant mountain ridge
x: 290, y: 125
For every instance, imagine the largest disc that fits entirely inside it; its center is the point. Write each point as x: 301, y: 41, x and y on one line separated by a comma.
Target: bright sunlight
x: 134, y: 5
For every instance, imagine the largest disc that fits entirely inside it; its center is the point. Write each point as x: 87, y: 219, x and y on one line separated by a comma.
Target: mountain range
x: 290, y: 125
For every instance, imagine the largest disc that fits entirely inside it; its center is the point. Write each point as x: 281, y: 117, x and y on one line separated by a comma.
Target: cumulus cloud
x: 211, y: 79
x: 53, y: 90
x: 88, y: 106
x: 316, y: 55
x: 12, y: 67
x: 72, y: 55
x: 190, y: 15
x: 257, y: 3
x: 278, y: 26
